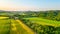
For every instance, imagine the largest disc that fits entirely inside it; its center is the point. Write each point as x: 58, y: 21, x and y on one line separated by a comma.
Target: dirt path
x: 25, y: 27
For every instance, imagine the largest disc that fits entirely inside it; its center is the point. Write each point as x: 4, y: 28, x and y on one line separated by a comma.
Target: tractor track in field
x: 25, y: 27
x: 14, y: 27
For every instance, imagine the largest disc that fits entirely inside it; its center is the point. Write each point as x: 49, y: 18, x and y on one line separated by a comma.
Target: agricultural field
x: 17, y: 28
x: 43, y: 21
x: 43, y: 26
x: 4, y: 25
x: 12, y: 26
x: 29, y: 23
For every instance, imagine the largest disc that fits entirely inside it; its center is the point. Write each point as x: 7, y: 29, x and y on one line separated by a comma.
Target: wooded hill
x: 52, y: 14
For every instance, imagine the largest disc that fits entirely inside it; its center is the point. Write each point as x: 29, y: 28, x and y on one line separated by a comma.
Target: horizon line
x: 27, y: 10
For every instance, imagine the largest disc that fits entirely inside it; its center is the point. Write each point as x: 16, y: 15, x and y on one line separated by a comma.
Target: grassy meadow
x: 4, y: 25
x: 43, y: 26
x: 44, y: 21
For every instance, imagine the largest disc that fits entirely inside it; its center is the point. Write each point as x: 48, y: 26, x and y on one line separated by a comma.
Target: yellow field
x: 25, y: 27
x: 3, y: 17
x: 19, y: 27
x: 16, y: 26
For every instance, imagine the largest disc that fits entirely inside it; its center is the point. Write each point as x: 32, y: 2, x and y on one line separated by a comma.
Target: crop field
x: 43, y: 21
x: 11, y: 26
x: 28, y: 23
x: 3, y: 17
x: 19, y: 29
x: 4, y: 26
x: 43, y: 26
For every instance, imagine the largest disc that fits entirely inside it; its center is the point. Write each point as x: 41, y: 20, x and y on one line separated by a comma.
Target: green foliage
x: 53, y: 15
x: 42, y: 29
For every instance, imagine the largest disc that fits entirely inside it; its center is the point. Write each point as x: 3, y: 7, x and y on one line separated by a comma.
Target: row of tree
x: 42, y: 29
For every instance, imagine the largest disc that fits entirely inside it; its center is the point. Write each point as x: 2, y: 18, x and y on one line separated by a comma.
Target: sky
x: 24, y: 5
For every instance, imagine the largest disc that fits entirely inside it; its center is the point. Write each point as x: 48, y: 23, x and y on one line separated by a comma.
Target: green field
x: 43, y: 21
x: 11, y: 26
x: 4, y: 26
x: 19, y: 29
x: 43, y: 26
x: 14, y: 23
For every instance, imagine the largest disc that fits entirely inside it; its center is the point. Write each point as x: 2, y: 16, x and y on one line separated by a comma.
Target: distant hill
x: 50, y: 14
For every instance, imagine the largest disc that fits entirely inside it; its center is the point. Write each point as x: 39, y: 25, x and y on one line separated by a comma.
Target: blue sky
x: 29, y: 5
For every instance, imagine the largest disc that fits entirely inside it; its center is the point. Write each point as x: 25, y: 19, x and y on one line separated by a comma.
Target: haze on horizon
x: 24, y: 5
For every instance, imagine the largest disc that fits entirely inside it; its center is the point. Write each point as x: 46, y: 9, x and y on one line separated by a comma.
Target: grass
x: 43, y: 21
x: 3, y: 17
x: 4, y: 26
x: 25, y: 27
x: 19, y: 29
